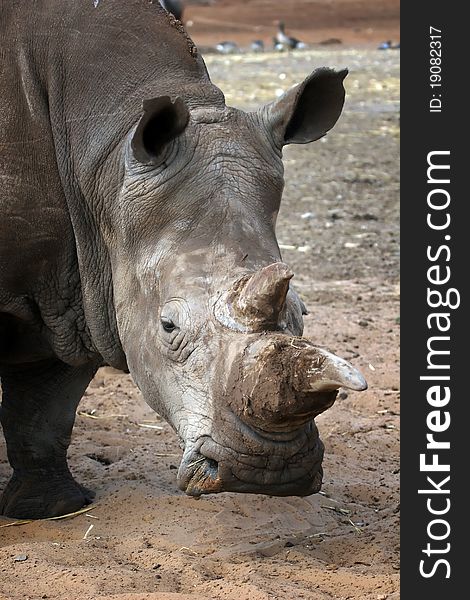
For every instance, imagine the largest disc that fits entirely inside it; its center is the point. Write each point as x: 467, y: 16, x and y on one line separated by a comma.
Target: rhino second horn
x: 327, y: 372
x: 262, y: 297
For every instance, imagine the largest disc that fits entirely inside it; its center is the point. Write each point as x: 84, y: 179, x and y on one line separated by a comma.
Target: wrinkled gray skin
x: 137, y: 220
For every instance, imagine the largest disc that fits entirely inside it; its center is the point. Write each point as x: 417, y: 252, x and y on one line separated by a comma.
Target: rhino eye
x: 167, y: 324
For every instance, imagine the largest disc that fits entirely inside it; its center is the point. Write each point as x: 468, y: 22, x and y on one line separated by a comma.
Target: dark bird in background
x: 257, y: 46
x: 227, y: 47
x: 282, y: 41
x: 385, y: 45
x: 388, y: 45
x: 175, y: 7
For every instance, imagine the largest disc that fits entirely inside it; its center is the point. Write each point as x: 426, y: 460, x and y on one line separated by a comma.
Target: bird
x: 257, y: 46
x: 385, y: 45
x: 226, y: 47
x: 282, y: 41
x: 279, y: 46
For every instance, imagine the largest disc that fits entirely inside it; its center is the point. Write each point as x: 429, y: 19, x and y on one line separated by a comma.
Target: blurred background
x: 368, y: 22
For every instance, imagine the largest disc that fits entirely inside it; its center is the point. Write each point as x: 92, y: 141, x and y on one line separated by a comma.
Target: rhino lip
x: 208, y: 467
x: 232, y: 469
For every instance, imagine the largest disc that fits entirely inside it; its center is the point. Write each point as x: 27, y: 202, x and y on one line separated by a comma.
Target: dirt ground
x: 338, y: 229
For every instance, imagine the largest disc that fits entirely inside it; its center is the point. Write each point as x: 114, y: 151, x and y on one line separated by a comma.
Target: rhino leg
x: 37, y: 414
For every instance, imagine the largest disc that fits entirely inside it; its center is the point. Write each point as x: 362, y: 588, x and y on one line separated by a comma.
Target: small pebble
x: 21, y: 558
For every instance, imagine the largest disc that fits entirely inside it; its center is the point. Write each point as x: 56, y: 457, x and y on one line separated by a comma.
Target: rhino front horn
x: 259, y: 298
x: 321, y: 371
x: 287, y: 381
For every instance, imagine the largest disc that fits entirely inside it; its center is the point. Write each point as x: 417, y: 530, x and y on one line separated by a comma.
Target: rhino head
x: 208, y: 319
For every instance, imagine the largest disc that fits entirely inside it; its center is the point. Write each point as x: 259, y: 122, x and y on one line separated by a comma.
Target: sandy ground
x: 145, y: 540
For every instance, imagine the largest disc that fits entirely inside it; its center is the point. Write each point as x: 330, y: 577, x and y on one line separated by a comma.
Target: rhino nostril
x: 201, y: 476
x: 212, y: 467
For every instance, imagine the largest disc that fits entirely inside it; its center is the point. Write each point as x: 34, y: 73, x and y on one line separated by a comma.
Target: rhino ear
x: 307, y: 111
x: 162, y: 121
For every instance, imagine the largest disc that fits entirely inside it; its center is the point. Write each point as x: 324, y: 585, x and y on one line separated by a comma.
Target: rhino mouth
x: 277, y: 465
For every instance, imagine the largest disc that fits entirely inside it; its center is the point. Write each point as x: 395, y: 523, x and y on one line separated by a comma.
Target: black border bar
x: 435, y: 338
